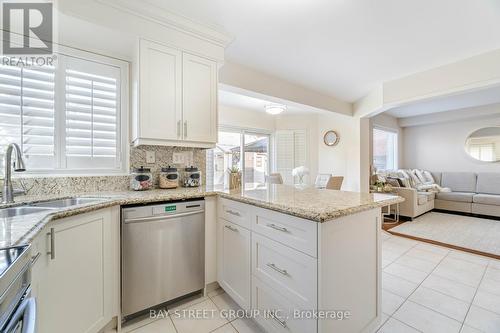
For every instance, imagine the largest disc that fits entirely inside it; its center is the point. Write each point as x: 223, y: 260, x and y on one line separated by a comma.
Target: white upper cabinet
x: 160, y: 107
x: 199, y: 98
x: 176, y: 98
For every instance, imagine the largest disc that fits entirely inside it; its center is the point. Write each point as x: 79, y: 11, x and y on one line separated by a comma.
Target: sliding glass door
x: 248, y: 151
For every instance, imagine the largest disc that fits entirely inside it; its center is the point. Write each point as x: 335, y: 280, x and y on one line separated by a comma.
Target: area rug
x: 473, y: 234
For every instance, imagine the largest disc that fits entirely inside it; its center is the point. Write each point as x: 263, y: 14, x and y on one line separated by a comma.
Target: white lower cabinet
x: 299, y: 267
x: 76, y: 275
x: 233, y: 261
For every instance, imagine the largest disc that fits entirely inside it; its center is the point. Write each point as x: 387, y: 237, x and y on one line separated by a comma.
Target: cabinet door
x: 199, y: 98
x: 160, y: 92
x: 233, y: 262
x: 75, y: 292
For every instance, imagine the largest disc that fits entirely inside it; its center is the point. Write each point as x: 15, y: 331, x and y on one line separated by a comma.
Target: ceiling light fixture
x: 275, y: 108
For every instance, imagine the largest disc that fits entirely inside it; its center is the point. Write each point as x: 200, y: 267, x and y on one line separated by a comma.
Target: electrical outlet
x: 184, y: 158
x: 150, y: 157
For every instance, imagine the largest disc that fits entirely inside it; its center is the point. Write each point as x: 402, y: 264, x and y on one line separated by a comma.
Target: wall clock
x: 331, y: 138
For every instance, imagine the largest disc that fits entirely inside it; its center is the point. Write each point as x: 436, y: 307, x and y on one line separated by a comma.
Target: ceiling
x: 344, y: 48
x: 232, y: 99
x: 448, y: 103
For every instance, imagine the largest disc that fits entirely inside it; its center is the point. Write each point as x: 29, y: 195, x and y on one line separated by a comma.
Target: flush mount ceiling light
x: 275, y: 108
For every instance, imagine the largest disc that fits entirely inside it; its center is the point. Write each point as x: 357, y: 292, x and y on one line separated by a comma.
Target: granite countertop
x: 305, y: 202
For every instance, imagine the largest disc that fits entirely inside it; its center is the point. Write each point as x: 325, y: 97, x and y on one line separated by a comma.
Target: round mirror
x: 484, y: 144
x: 331, y: 138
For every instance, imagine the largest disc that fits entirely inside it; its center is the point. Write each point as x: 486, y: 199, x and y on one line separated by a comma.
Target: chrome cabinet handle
x: 279, y: 270
x: 178, y: 128
x: 185, y: 129
x: 52, y: 251
x: 281, y: 322
x: 231, y: 228
x: 274, y: 226
x: 233, y: 213
x: 34, y: 259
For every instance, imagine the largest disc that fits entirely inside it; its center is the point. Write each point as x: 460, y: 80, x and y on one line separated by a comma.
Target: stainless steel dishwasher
x: 163, y: 253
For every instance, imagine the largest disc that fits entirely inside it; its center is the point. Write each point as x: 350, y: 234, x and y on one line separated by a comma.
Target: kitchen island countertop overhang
x: 313, y: 204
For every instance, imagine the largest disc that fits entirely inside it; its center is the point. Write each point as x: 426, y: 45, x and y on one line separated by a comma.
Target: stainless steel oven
x: 17, y: 307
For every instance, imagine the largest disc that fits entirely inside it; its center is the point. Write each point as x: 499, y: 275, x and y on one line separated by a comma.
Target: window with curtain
x: 290, y: 153
x: 385, y: 149
x: 246, y: 150
x: 64, y: 118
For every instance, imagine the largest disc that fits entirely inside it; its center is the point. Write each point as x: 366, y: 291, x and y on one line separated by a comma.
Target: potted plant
x: 234, y: 177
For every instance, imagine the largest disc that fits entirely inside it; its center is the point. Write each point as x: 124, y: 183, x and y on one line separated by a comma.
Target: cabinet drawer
x: 235, y: 212
x: 297, y: 233
x: 277, y: 312
x: 290, y: 272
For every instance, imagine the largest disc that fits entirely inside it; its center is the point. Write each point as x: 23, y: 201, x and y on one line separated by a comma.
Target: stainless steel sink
x: 23, y: 210
x: 63, y: 203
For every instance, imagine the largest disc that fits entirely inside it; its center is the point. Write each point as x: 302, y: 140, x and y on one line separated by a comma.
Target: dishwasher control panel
x: 167, y: 208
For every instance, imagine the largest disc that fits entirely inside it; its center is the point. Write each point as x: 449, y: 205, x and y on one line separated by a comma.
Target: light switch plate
x: 150, y: 156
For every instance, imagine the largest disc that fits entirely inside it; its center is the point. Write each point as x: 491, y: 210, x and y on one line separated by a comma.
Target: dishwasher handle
x: 162, y: 217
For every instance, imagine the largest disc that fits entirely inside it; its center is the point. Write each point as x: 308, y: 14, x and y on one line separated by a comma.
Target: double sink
x: 47, y: 206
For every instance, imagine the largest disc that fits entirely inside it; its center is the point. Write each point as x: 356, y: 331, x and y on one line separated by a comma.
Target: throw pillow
x: 429, y: 178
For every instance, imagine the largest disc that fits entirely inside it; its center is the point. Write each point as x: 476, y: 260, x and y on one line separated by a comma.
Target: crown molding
x: 174, y: 21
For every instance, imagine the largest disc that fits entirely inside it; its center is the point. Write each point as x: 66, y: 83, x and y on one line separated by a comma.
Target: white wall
x: 440, y: 146
x: 342, y: 159
x: 236, y: 117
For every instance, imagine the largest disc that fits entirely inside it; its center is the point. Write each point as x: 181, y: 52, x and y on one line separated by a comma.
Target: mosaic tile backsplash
x: 71, y: 185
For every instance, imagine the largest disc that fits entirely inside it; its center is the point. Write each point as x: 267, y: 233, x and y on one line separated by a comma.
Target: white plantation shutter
x: 27, y: 115
x: 291, y: 152
x: 92, y: 118
x: 64, y: 117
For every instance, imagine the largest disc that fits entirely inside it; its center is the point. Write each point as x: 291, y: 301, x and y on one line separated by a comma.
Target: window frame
x: 396, y: 144
x: 123, y: 114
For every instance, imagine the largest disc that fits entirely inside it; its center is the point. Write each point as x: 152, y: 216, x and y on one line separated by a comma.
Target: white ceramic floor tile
x: 484, y: 320
x: 402, y: 241
x: 488, y: 301
x: 246, y: 326
x: 492, y: 273
x: 224, y: 302
x: 228, y: 328
x: 395, y: 326
x: 460, y: 271
x: 397, y: 285
x: 390, y: 302
x: 215, y: 292
x: 494, y: 263
x: 406, y: 272
x: 396, y: 248
x: 386, y: 263
x: 136, y: 323
x: 186, y: 302
x: 469, y: 257
x: 444, y: 304
x: 390, y: 255
x: 160, y: 325
x: 416, y: 263
x: 490, y: 286
x: 383, y: 320
x: 432, y: 248
x: 203, y: 317
x: 450, y: 287
x: 426, y: 320
x: 425, y: 255
x: 468, y: 329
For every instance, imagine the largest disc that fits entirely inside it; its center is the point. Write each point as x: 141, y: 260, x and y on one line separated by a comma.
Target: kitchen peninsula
x: 284, y: 250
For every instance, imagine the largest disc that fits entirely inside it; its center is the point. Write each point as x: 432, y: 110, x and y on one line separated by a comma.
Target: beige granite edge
x: 71, y: 211
x: 320, y: 217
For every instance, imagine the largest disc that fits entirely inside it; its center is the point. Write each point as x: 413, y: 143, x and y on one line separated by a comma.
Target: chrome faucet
x: 8, y: 190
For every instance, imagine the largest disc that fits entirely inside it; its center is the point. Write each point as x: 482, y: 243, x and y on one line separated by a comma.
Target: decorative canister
x: 192, y: 177
x: 141, y: 179
x: 169, y: 177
